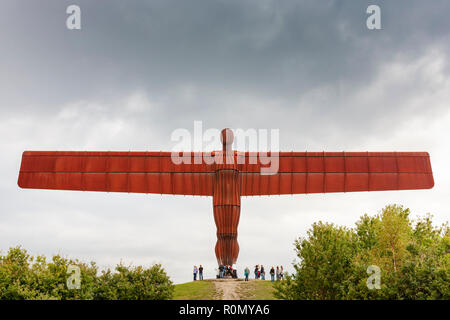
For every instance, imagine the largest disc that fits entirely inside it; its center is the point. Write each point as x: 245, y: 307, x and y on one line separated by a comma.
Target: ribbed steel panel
x: 134, y: 172
x: 227, y: 208
x: 324, y: 172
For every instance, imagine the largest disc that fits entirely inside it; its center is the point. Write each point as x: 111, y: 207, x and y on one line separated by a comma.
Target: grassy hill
x: 195, y: 290
x: 206, y: 290
x: 256, y: 290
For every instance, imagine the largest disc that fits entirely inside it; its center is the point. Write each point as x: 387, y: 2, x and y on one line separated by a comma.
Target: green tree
x: 326, y: 256
x: 414, y: 259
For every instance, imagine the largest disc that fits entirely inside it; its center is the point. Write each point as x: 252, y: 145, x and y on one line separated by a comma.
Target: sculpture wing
x: 323, y: 172
x: 138, y: 172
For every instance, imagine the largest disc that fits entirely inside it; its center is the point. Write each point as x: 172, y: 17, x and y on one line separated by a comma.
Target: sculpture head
x: 226, y: 137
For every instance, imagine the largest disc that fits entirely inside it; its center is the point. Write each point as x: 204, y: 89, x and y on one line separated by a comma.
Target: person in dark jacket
x: 200, y: 273
x: 272, y: 274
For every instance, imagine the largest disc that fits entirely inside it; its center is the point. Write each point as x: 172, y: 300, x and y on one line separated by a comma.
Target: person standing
x: 256, y: 272
x: 246, y: 273
x: 278, y: 273
x: 195, y: 273
x: 221, y: 271
x: 272, y: 274
x: 281, y: 273
x: 200, y: 273
x: 263, y: 273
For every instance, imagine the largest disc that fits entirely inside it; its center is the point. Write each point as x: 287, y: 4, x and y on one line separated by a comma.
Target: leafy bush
x: 33, y: 278
x: 134, y: 284
x: 414, y: 259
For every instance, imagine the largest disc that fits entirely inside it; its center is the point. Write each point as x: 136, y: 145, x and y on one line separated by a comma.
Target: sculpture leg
x: 227, y: 208
x: 227, y: 220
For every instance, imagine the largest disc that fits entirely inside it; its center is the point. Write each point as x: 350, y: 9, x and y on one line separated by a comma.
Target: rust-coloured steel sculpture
x: 239, y: 174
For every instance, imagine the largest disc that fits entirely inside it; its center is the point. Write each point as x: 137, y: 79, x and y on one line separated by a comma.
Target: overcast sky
x: 138, y: 70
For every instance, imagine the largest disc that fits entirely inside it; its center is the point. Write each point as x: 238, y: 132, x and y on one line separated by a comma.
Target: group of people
x: 198, y: 271
x: 228, y: 271
x: 260, y: 273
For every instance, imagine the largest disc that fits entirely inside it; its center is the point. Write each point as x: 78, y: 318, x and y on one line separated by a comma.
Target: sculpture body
x: 238, y: 174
